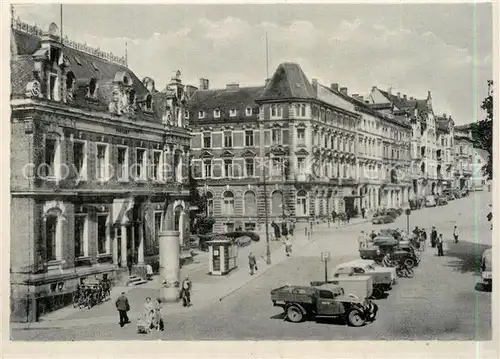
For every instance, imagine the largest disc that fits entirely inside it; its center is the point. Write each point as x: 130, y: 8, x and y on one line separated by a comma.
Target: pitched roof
x: 224, y: 100
x: 288, y: 81
x: 83, y: 65
x: 401, y: 103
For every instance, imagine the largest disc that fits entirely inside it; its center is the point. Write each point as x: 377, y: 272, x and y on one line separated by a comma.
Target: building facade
x: 424, y: 143
x: 464, y: 151
x: 98, y: 161
x: 480, y: 180
x: 445, y: 153
x: 316, y: 148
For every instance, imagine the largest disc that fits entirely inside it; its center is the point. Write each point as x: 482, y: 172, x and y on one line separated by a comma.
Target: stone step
x: 135, y: 280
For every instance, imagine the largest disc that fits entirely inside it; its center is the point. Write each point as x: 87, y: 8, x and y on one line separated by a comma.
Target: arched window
x: 149, y: 102
x: 228, y: 207
x: 277, y: 203
x: 301, y: 207
x: 250, y: 204
x: 210, y: 204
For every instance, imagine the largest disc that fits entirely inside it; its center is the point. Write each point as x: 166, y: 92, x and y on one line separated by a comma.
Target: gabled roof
x: 288, y: 81
x: 225, y: 100
x: 401, y: 103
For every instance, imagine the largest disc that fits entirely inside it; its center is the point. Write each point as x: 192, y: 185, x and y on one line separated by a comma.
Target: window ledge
x: 83, y: 258
x: 141, y: 181
x: 122, y: 180
x: 103, y: 255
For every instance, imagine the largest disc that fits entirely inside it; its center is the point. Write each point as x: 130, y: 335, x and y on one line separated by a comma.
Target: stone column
x: 124, y: 246
x: 182, y: 228
x: 140, y: 249
x: 169, y: 264
x: 115, y: 246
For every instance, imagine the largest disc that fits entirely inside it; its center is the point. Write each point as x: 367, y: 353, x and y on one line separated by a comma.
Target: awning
x: 121, y: 207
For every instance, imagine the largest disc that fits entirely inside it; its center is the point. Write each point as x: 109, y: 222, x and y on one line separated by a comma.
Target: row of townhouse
x: 98, y: 167
x: 317, y: 148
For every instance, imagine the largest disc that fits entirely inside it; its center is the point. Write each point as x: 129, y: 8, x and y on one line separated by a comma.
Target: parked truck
x: 325, y: 301
x: 359, y: 286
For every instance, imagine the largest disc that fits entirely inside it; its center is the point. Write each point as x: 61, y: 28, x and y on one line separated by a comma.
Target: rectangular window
x: 232, y: 112
x: 228, y: 168
x: 122, y: 165
x: 207, y: 140
x: 50, y: 157
x: 301, y: 136
x: 276, y: 136
x: 228, y: 139
x: 51, y: 238
x: 249, y: 138
x: 140, y: 167
x: 101, y: 162
x: 157, y: 166
x: 201, y: 114
x: 274, y: 111
x: 249, y: 167
x: 248, y: 111
x: 81, y: 239
x: 102, y: 234
x: 301, y: 165
x: 303, y: 110
x: 158, y: 222
x: 53, y: 87
x: 207, y: 169
x: 216, y: 113
x: 79, y: 158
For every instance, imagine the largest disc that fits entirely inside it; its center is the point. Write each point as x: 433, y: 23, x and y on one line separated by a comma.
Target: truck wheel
x: 354, y: 318
x: 377, y: 292
x: 409, y: 272
x: 294, y: 314
x: 409, y: 262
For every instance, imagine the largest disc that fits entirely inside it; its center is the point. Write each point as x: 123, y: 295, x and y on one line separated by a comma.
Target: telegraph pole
x: 268, y: 248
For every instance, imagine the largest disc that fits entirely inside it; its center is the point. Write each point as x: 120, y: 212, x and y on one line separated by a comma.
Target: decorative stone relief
x: 33, y: 89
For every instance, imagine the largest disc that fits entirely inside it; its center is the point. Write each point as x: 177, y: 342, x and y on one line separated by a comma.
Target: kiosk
x: 222, y: 254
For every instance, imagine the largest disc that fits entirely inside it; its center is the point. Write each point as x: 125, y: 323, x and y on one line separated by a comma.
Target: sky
x: 411, y: 48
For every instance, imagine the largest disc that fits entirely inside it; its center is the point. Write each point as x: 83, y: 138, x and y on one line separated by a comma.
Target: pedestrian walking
x: 363, y: 212
x: 288, y: 246
x: 434, y: 236
x: 455, y: 234
x: 292, y: 228
x: 440, y: 245
x: 373, y: 235
x: 362, y: 240
x: 123, y: 307
x: 158, y: 317
x: 334, y: 216
x: 284, y: 230
x: 348, y: 216
x: 252, y: 263
x: 423, y: 238
x: 186, y: 292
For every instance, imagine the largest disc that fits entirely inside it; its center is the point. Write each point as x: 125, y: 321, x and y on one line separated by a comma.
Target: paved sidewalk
x: 206, y: 291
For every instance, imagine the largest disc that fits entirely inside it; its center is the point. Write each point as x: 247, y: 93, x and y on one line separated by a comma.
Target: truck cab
x: 382, y: 280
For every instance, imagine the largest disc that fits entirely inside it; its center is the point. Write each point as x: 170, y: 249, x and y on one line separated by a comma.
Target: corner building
x: 98, y: 166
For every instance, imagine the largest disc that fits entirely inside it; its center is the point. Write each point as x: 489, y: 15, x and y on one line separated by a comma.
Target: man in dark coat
x: 123, y: 307
x: 334, y: 216
x: 363, y: 212
x: 434, y: 235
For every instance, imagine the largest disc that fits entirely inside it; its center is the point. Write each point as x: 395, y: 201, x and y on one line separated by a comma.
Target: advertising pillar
x: 169, y: 264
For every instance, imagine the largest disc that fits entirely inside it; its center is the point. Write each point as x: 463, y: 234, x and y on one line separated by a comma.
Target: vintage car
x: 369, y: 263
x: 486, y: 268
x: 430, y: 201
x: 388, y: 246
x: 393, y: 212
x: 325, y: 301
x: 382, y: 278
x: 382, y: 218
x: 441, y: 201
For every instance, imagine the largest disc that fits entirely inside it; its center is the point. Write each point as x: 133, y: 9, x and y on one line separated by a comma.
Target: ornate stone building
x: 445, y: 153
x: 96, y: 154
x: 464, y: 151
x: 424, y: 144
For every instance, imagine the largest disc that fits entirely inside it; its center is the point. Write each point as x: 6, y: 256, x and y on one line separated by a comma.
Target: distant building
x: 96, y: 154
x: 464, y: 151
x: 480, y: 180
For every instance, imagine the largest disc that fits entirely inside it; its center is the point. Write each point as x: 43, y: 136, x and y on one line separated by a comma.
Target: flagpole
x: 267, y: 58
x: 61, y: 23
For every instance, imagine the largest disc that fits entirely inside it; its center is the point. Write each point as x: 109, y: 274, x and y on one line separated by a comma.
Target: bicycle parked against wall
x: 91, y: 293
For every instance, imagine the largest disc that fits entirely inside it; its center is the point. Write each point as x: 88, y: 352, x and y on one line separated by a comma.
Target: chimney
x: 267, y: 81
x: 399, y: 94
x: 374, y: 88
x: 361, y: 98
x: 190, y: 90
x: 232, y: 86
x: 343, y: 90
x: 334, y: 86
x: 355, y: 95
x: 404, y: 96
x: 203, y: 84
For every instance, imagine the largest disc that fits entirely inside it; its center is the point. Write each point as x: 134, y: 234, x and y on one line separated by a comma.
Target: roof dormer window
x: 131, y: 97
x: 53, y: 87
x: 232, y: 112
x: 149, y: 103
x: 186, y: 114
x: 248, y: 111
x: 92, y: 87
x: 70, y: 82
x: 217, y: 113
x: 201, y: 114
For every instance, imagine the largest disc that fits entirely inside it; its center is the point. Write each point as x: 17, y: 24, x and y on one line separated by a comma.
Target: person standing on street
x: 334, y: 216
x: 455, y: 234
x: 373, y: 235
x: 284, y: 230
x: 363, y: 212
x: 186, y: 292
x: 434, y: 236
x: 440, y: 245
x: 123, y: 307
x: 252, y: 263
